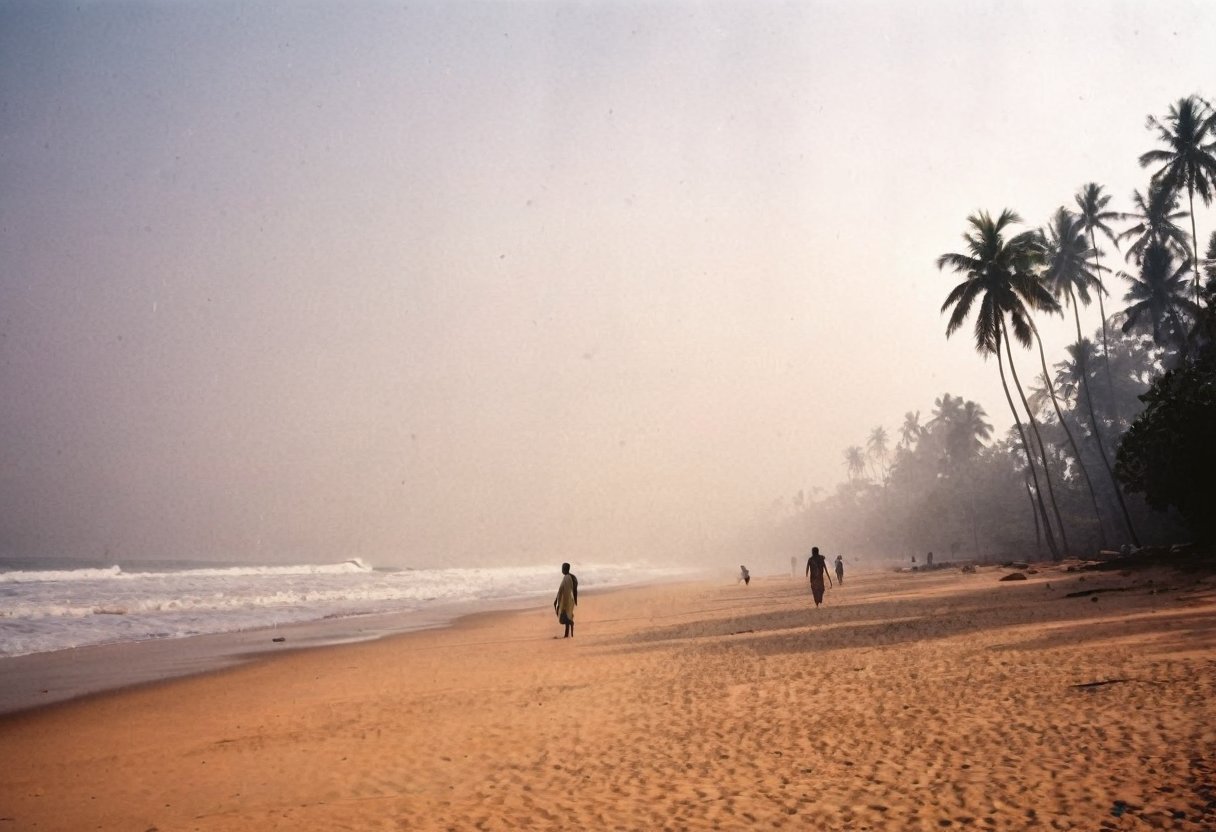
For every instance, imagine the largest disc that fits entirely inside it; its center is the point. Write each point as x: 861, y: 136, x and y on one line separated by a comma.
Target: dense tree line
x: 1113, y: 443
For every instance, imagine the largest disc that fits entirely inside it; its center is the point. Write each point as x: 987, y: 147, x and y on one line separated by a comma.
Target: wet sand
x: 909, y: 701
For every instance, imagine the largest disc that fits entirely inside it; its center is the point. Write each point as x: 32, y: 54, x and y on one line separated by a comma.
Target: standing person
x: 929, y: 559
x: 817, y: 570
x: 566, y: 600
x: 744, y: 576
x: 840, y: 569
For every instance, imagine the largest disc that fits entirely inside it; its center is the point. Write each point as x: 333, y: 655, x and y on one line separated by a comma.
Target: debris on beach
x: 1014, y: 576
x: 1082, y: 593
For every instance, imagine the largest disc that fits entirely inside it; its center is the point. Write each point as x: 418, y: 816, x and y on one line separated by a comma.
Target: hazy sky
x: 516, y: 281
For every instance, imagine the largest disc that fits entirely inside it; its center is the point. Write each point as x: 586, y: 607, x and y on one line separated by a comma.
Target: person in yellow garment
x: 566, y: 600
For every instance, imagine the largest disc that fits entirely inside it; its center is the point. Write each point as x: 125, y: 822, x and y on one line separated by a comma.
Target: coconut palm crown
x: 1067, y: 252
x: 1157, y: 298
x: 1156, y: 220
x: 1000, y: 274
x: 1091, y: 204
x: 1188, y: 160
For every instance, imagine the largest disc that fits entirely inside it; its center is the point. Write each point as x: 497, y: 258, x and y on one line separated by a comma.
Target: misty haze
x: 510, y: 283
x: 616, y: 416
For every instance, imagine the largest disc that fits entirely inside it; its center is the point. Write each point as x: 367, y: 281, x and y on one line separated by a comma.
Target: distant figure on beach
x: 744, y: 576
x: 566, y: 600
x: 817, y: 570
x: 929, y: 559
x: 840, y: 569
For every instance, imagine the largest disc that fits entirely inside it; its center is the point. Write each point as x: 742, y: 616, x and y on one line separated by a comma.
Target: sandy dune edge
x: 912, y: 701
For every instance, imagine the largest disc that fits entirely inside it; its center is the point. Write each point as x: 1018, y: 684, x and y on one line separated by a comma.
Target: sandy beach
x: 909, y: 701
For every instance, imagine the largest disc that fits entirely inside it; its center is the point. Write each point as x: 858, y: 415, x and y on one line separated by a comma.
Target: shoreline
x: 35, y: 681
x: 908, y: 701
x: 41, y: 680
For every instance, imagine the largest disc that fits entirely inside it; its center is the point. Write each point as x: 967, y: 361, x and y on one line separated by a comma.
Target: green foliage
x: 1169, y: 453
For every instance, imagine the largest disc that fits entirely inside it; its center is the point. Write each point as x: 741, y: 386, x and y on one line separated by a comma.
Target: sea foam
x: 49, y: 610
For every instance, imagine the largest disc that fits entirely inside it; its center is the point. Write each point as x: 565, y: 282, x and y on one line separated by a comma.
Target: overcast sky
x: 464, y: 283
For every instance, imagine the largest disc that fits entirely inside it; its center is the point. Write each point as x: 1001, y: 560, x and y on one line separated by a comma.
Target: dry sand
x: 910, y: 701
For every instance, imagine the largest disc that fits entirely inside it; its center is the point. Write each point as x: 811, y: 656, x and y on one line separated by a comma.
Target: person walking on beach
x: 817, y: 570
x: 840, y: 569
x: 744, y: 576
x: 566, y: 600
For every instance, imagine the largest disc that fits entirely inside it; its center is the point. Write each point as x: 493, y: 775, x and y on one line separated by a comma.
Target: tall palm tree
x: 996, y: 270
x: 946, y: 411
x: 1209, y: 267
x: 1024, y: 338
x: 1157, y: 298
x: 1095, y: 217
x: 911, y: 431
x: 1081, y: 356
x: 1189, y: 160
x: 1155, y: 220
x: 1067, y: 274
x: 876, y: 448
x: 967, y: 433
x: 970, y: 431
x: 1038, y: 538
x: 855, y: 460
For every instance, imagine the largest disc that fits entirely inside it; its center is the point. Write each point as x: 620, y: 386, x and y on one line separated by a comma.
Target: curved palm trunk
x: 1093, y: 497
x: 1038, y: 491
x: 1110, y: 384
x: 1034, y: 427
x: 1190, y: 192
x: 1038, y: 537
x: 975, y: 525
x: 1093, y: 418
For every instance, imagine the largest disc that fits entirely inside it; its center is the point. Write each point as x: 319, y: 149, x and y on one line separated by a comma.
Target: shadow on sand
x: 1149, y: 605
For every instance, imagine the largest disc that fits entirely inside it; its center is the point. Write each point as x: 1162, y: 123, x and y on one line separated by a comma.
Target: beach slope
x: 909, y: 701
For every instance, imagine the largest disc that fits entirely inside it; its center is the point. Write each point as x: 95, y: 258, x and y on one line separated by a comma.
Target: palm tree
x: 1094, y: 218
x: 1157, y: 297
x: 876, y: 447
x: 1156, y: 220
x: 1068, y: 379
x: 997, y: 270
x: 960, y: 427
x: 1067, y: 274
x: 946, y: 411
x: 1024, y: 338
x: 964, y: 439
x: 856, y: 461
x: 1209, y: 267
x: 1189, y: 133
x: 911, y: 431
x: 970, y: 431
x: 1091, y: 205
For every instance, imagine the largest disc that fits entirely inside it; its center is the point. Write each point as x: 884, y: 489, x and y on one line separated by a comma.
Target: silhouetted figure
x: 745, y: 576
x: 929, y: 559
x: 840, y: 569
x: 817, y: 570
x: 566, y: 600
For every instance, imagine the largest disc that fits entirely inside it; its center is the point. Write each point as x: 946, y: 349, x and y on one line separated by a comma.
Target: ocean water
x: 46, y: 607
